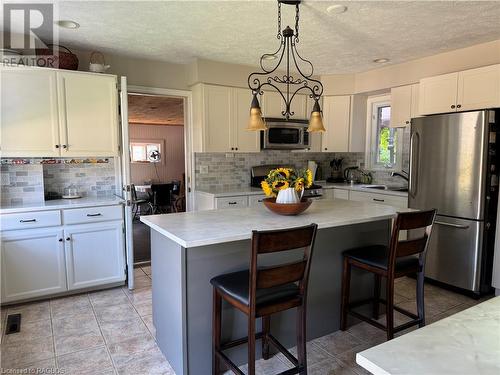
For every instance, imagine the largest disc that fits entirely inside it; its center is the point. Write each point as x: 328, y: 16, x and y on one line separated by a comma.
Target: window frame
x: 373, y: 104
x: 135, y: 141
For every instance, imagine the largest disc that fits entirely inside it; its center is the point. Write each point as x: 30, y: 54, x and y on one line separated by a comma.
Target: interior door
x: 126, y: 190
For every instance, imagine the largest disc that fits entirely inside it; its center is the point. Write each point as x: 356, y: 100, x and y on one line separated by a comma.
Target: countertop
x: 219, y: 193
x: 201, y: 228
x: 58, y: 204
x: 464, y: 343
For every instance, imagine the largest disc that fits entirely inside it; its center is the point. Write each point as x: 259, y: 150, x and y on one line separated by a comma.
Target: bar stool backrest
x: 265, y: 242
x: 418, y: 221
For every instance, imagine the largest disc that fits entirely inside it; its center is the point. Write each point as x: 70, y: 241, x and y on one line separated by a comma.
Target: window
x: 144, y: 152
x: 384, y: 151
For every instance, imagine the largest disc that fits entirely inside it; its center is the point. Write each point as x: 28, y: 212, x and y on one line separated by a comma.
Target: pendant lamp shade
x: 316, y: 120
x: 256, y: 122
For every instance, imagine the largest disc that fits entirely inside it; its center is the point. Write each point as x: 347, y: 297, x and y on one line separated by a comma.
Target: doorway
x: 157, y: 162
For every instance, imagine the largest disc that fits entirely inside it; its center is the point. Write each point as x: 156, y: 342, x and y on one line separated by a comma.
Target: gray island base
x: 188, y: 249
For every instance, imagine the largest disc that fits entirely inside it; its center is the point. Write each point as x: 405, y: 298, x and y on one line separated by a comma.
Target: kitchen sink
x: 385, y: 187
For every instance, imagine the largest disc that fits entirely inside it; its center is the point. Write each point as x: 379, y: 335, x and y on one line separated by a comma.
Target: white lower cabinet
x: 94, y: 254
x: 390, y: 200
x: 231, y: 202
x: 255, y: 200
x: 32, y: 263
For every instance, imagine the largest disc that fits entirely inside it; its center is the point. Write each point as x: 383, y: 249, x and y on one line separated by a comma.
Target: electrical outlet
x: 204, y: 169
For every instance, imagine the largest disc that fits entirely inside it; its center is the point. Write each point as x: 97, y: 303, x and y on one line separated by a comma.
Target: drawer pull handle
x: 378, y: 200
x: 93, y: 215
x: 61, y: 240
x: 28, y: 221
x: 232, y: 203
x: 68, y: 238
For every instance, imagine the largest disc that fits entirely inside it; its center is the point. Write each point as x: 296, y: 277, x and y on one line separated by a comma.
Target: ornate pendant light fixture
x: 303, y: 83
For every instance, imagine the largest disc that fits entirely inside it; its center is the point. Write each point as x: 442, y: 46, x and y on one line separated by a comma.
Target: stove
x: 260, y: 172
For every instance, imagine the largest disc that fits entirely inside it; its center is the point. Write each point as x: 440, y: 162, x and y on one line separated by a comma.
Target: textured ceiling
x: 155, y: 110
x: 241, y: 31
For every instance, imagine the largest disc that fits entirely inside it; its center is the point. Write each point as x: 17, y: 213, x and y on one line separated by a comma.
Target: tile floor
x: 111, y: 332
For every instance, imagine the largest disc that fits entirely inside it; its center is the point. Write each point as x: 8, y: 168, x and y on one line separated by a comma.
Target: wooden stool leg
x: 216, y: 331
x: 376, y: 296
x: 301, y: 339
x: 420, y: 299
x: 251, y: 345
x: 266, y: 327
x: 390, y: 308
x: 346, y: 286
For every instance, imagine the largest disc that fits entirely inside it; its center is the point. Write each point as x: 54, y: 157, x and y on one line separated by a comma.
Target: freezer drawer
x: 454, y: 254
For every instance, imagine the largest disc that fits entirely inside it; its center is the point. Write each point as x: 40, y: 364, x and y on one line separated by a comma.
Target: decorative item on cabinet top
x: 19, y: 161
x: 97, y: 63
x: 304, y: 82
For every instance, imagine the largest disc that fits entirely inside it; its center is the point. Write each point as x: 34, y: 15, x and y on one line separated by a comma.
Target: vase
x: 287, y: 196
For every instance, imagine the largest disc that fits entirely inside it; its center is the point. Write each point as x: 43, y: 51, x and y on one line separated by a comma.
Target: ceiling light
x: 336, y: 9
x: 68, y: 24
x: 381, y: 60
x: 289, y: 84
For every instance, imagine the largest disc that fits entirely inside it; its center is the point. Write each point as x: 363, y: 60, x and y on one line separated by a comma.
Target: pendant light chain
x: 279, y: 20
x: 297, y: 22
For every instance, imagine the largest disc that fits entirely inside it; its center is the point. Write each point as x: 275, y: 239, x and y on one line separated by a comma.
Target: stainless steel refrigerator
x: 453, y: 168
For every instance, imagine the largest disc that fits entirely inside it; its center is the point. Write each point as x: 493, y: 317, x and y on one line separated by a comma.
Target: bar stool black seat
x: 261, y: 292
x: 400, y: 258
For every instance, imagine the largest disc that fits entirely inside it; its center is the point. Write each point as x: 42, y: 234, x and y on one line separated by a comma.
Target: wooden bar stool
x: 261, y: 292
x: 401, y: 258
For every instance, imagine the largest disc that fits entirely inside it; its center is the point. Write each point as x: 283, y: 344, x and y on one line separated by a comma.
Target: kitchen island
x: 188, y: 249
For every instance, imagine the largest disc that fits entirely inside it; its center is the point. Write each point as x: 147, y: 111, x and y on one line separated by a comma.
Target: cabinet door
x: 479, y: 88
x: 29, y: 119
x: 336, y: 118
x: 217, y: 118
x: 400, y: 106
x: 438, y: 94
x: 242, y: 139
x: 32, y: 264
x: 89, y: 114
x: 299, y: 107
x: 95, y: 254
x: 414, y: 109
x: 272, y: 104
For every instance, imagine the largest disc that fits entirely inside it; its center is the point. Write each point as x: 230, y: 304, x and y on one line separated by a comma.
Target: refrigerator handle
x: 414, y: 156
x: 458, y: 226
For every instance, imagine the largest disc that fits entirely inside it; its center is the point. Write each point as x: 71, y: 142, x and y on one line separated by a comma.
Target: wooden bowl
x: 288, y: 209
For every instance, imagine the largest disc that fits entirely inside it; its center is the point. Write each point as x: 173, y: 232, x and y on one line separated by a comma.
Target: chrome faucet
x: 403, y: 175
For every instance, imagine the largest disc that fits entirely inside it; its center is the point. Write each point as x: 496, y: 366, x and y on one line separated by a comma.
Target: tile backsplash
x: 28, y: 183
x: 233, y: 171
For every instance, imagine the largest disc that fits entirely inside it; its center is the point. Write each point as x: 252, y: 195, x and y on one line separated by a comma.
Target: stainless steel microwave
x: 284, y: 134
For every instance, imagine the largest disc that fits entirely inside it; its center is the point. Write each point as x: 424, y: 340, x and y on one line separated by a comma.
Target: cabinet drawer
x: 231, y: 202
x: 27, y: 220
x: 390, y: 200
x: 92, y: 214
x: 255, y: 200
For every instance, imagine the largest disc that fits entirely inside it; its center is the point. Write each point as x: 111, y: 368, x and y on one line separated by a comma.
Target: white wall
x: 172, y: 165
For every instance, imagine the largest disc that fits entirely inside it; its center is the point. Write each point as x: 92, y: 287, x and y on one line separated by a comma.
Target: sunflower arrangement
x: 284, y: 178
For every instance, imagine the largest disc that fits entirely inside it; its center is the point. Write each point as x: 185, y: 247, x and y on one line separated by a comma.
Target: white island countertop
x: 465, y: 343
x: 200, y: 228
x: 58, y: 204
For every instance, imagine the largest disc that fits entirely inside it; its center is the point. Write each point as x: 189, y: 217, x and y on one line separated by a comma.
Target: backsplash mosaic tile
x: 25, y: 181
x: 21, y: 184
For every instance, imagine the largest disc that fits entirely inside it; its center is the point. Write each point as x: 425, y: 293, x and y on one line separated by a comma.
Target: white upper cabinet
x: 462, y: 91
x: 220, y: 119
x: 400, y: 106
x: 242, y: 139
x: 438, y: 94
x: 336, y: 118
x: 29, y: 117
x: 479, y: 88
x: 88, y: 114
x: 415, y: 99
x: 273, y: 105
x: 46, y: 112
x: 217, y: 103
